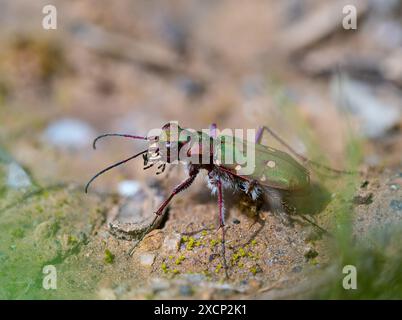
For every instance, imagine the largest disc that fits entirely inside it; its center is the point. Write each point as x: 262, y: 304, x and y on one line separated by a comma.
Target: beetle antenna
x: 117, y: 135
x: 111, y: 167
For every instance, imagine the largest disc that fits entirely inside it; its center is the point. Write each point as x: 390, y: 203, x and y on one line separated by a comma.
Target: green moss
x: 32, y: 237
x: 235, y: 257
x: 72, y: 240
x: 218, y: 268
x: 254, y: 270
x: 39, y: 208
x: 164, y: 268
x: 241, y: 252
x: 191, y: 243
x: 252, y: 255
x: 213, y: 242
x: 179, y: 259
x: 18, y: 233
x: 109, y: 257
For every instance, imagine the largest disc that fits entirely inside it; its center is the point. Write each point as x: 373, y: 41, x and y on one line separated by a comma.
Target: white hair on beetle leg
x: 212, y: 185
x: 255, y: 193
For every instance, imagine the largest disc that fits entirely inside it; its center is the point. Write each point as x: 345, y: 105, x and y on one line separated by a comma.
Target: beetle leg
x: 222, y: 224
x: 150, y: 227
x: 258, y: 138
x: 182, y: 186
x: 251, y: 186
x: 258, y: 135
x: 145, y: 157
x: 161, y: 168
x: 149, y: 166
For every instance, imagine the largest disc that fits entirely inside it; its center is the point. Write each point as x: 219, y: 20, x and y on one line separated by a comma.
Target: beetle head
x: 170, y: 141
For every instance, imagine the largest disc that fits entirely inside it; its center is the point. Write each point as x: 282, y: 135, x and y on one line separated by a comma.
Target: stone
x: 69, y: 133
x: 147, y: 259
x: 159, y: 284
x: 17, y: 178
x: 128, y: 188
x: 396, y: 205
x: 152, y: 241
x: 171, y: 243
x: 136, y: 214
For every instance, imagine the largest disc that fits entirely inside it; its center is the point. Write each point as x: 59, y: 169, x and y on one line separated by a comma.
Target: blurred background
x: 131, y: 66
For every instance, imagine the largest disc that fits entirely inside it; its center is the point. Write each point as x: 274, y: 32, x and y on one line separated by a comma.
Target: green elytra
x: 273, y: 168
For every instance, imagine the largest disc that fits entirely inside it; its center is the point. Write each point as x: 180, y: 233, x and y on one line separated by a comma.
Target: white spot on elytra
x: 263, y: 178
x: 271, y: 164
x: 238, y: 167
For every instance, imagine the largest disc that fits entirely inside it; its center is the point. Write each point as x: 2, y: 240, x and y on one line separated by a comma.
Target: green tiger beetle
x: 274, y: 172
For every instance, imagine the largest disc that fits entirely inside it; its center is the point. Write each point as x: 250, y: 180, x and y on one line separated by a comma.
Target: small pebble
x: 17, y: 178
x: 69, y: 133
x: 128, y: 188
x: 191, y: 87
x: 171, y: 243
x: 147, y: 259
x: 159, y: 284
x: 194, y: 277
x: 186, y: 290
x: 297, y: 269
x: 396, y: 205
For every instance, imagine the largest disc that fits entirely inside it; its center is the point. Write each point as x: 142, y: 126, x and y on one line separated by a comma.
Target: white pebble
x: 147, y: 259
x: 171, y: 243
x: 69, y: 133
x: 17, y: 178
x: 128, y: 188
